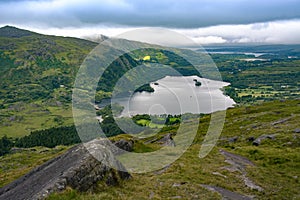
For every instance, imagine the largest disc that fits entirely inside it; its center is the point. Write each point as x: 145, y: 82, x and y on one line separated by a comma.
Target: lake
x: 234, y: 52
x: 177, y: 95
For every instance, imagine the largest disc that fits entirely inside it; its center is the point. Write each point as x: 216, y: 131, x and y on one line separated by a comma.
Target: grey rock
x: 258, y: 140
x: 237, y: 160
x: 280, y: 121
x: 250, y: 139
x: 77, y: 168
x: 297, y: 130
x: 176, y: 185
x: 226, y: 194
x: 176, y: 197
x: 124, y: 145
x: 151, y: 195
x: 163, y: 170
x: 179, y: 184
x: 233, y: 139
x: 249, y: 183
x: 167, y: 140
x: 238, y: 164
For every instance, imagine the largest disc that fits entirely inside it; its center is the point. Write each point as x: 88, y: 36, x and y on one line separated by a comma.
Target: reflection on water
x: 178, y: 95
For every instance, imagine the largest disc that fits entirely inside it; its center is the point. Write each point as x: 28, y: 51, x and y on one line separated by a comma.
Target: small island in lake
x: 197, y: 83
x: 146, y: 88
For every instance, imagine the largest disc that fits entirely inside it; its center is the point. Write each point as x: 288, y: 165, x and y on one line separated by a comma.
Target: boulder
x: 297, y: 130
x: 80, y: 168
x: 124, y: 144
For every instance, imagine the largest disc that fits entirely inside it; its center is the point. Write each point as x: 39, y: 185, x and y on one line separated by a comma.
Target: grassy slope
x: 35, y: 62
x: 276, y: 170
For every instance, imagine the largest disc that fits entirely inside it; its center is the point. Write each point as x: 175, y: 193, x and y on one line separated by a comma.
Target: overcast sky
x: 205, y: 21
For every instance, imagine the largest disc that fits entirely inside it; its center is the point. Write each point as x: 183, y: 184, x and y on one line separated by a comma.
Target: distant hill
x: 96, y: 38
x: 279, y: 49
x: 37, y: 73
x: 13, y: 32
x: 32, y: 65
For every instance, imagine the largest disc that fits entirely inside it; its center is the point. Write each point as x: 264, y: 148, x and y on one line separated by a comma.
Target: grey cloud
x: 164, y: 13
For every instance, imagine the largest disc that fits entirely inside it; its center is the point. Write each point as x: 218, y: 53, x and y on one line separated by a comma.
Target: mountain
x: 37, y: 74
x: 96, y: 38
x: 34, y: 65
x: 13, y: 32
x: 280, y: 50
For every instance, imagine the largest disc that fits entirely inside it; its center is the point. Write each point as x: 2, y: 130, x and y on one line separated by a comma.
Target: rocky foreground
x: 76, y: 168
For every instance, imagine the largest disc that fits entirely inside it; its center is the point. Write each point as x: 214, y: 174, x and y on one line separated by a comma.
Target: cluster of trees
x: 5, y: 145
x: 109, y: 127
x: 52, y: 137
x: 115, y: 71
x: 108, y: 124
x: 230, y: 91
x: 65, y: 135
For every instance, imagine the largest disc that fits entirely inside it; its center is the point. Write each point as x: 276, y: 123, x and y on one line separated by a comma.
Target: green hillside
x: 37, y: 74
x: 272, y: 168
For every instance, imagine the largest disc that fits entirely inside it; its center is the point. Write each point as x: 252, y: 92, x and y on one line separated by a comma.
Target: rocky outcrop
x: 238, y: 164
x: 226, y: 194
x: 258, y: 140
x: 77, y: 168
x: 167, y: 140
x: 123, y: 145
x: 280, y: 121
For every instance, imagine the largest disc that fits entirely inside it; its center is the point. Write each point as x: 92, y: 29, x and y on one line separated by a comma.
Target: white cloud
x: 277, y: 32
x: 209, y: 40
x: 283, y: 32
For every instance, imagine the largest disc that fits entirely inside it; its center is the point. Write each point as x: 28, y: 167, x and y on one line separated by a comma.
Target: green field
x: 21, y: 119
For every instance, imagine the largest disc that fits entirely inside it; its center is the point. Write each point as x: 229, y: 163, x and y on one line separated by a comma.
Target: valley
x: 257, y: 153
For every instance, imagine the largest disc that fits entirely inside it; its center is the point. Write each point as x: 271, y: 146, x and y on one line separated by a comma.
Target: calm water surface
x: 178, y: 95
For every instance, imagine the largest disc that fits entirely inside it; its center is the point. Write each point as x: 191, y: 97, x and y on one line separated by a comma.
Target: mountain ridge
x: 14, y: 32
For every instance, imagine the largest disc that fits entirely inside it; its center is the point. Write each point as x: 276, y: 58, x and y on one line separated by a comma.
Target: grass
x: 34, y: 116
x: 276, y: 170
x: 145, y: 122
x: 276, y: 162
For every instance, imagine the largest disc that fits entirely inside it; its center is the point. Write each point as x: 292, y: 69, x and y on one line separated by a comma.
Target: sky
x: 204, y: 21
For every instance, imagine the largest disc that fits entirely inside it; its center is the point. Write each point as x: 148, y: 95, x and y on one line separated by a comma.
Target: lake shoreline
x: 175, y: 95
